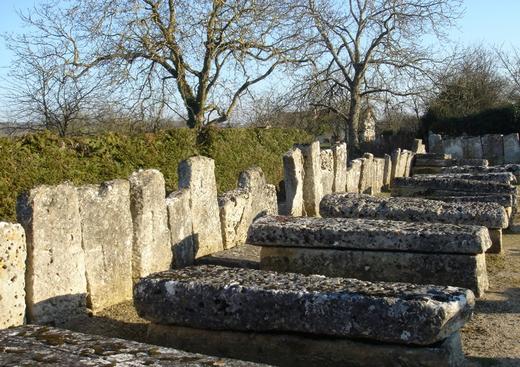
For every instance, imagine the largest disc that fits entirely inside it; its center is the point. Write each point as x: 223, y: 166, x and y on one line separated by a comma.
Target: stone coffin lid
x: 340, y: 205
x: 432, y: 156
x: 368, y: 234
x: 454, y: 184
x: 503, y: 200
x: 501, y: 177
x: 513, y: 168
x: 32, y: 345
x: 214, y: 297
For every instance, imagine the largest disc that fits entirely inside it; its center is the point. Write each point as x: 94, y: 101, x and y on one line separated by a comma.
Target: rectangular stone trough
x: 490, y: 215
x: 33, y: 345
x: 512, y: 168
x: 362, y: 321
x: 375, y: 250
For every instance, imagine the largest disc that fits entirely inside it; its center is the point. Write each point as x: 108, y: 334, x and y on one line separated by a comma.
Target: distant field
x: 31, y: 160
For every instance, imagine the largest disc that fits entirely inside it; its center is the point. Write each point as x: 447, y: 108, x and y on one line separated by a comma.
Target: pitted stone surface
x: 422, y: 162
x: 459, y: 270
x: 513, y: 168
x: 181, y: 228
x: 13, y: 253
x: 353, y: 175
x: 198, y: 175
x: 490, y: 215
x: 107, y: 234
x: 243, y: 299
x: 151, y: 250
x: 472, y: 162
x: 340, y: 167
x: 501, y: 177
x: 312, y: 191
x: 293, y: 181
x: 505, y: 200
x: 434, y: 156
x: 387, y: 173
x: 379, y: 172
x: 366, y: 177
x: 408, y: 166
x: 56, y: 285
x: 235, y: 216
x: 327, y: 171
x: 368, y: 234
x: 32, y: 345
x: 426, y: 184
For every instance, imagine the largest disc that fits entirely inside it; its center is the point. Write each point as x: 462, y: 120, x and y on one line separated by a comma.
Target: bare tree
x: 44, y: 93
x: 212, y: 51
x: 372, y: 47
x: 510, y: 62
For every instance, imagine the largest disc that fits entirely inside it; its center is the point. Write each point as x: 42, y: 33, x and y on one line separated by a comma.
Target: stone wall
x: 496, y: 148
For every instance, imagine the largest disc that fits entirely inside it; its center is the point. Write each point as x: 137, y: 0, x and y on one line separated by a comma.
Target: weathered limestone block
x: 379, y: 171
x: 504, y: 200
x: 403, y: 162
x: 288, y: 350
x: 433, y: 156
x: 181, y: 228
x: 32, y: 345
x: 387, y: 172
x: 409, y: 163
x: 13, y: 253
x: 490, y: 215
x: 263, y: 195
x: 235, y: 216
x: 396, y: 158
x: 293, y: 181
x: 366, y: 177
x: 312, y: 190
x: 340, y: 167
x: 422, y: 162
x: 56, y: 285
x: 327, y: 171
x: 418, y: 146
x: 513, y: 168
x: 354, y: 175
x: 435, y: 143
x: 198, y: 175
x: 151, y: 250
x: 368, y: 234
x: 472, y: 147
x: 511, y: 148
x: 454, y: 146
x: 493, y: 148
x: 467, y: 271
x: 254, y: 300
x: 107, y: 234
x: 472, y: 162
x: 446, y: 186
x: 500, y: 177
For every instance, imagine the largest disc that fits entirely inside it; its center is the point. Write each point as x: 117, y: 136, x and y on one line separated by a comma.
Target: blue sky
x: 485, y: 21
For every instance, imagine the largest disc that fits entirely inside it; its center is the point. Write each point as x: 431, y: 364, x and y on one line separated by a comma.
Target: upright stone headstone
x: 418, y: 146
x: 107, y: 236
x: 379, y: 171
x: 13, y: 253
x: 353, y: 175
x: 387, y: 174
x: 312, y: 191
x: 293, y: 181
x: 151, y: 250
x: 435, y: 143
x: 340, y: 167
x: 409, y: 163
x: 56, y: 285
x: 493, y: 148
x: 511, y: 148
x: 235, y: 216
x: 327, y: 171
x: 181, y: 228
x: 396, y: 161
x: 263, y: 195
x: 367, y: 174
x: 403, y: 160
x: 472, y: 147
x: 198, y: 175
x: 454, y: 147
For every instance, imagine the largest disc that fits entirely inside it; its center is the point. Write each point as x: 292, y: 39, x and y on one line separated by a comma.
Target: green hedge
x: 26, y: 162
x: 500, y: 120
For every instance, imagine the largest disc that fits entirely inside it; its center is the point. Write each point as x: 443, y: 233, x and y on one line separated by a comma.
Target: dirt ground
x: 491, y: 338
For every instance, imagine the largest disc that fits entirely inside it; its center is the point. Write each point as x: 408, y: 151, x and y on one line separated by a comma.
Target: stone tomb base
x: 290, y: 350
x: 460, y: 270
x: 496, y: 239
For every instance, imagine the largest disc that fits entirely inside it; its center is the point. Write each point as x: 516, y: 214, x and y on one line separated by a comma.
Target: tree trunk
x: 353, y: 123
